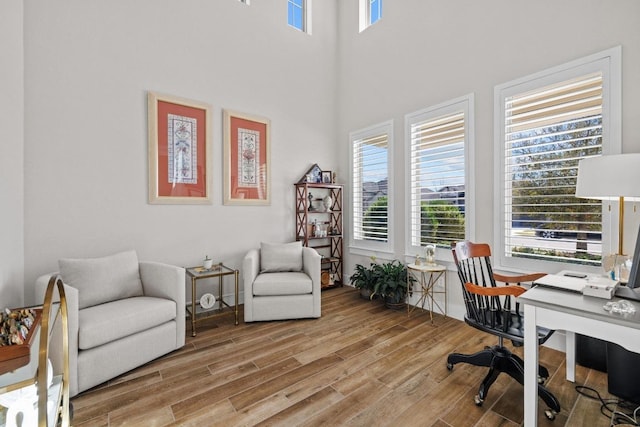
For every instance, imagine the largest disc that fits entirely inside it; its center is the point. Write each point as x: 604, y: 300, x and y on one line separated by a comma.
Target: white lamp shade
x: 609, y: 177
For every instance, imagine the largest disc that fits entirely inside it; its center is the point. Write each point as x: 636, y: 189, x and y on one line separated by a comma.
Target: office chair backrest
x: 488, y: 306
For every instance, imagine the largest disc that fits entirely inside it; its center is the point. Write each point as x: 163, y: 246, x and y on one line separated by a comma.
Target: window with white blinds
x: 437, y: 175
x: 547, y: 131
x: 371, y: 198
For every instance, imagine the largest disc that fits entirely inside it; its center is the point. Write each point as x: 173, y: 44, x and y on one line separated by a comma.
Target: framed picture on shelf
x: 326, y: 177
x: 179, y: 150
x: 247, y: 168
x: 313, y: 175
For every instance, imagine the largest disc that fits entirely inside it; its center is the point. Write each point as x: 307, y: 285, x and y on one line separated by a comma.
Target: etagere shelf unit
x: 319, y: 226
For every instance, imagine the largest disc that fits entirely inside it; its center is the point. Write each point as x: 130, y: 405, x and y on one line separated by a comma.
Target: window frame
x: 365, y: 14
x: 463, y: 104
x: 370, y: 12
x: 306, y: 16
x: 365, y: 247
x: 608, y: 62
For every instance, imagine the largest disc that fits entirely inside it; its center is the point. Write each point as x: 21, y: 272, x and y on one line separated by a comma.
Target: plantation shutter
x: 370, y: 188
x: 547, y: 131
x: 437, y: 178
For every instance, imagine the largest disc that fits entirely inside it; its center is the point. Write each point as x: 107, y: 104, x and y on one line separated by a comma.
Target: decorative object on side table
x: 207, y: 263
x: 15, y: 326
x: 429, y: 254
x: 326, y: 177
x: 16, y: 334
x: 207, y: 300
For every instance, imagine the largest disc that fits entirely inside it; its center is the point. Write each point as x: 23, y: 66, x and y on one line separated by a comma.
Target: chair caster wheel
x: 479, y: 401
x: 551, y: 415
x: 450, y: 366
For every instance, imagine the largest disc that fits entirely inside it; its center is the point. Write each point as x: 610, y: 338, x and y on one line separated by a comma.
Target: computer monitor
x: 632, y: 290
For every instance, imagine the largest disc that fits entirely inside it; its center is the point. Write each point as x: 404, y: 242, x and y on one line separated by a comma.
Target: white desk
x: 573, y: 313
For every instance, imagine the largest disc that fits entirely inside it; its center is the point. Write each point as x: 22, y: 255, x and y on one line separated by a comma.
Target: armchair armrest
x: 250, y: 270
x: 311, y: 261
x: 311, y: 264
x: 71, y: 294
x: 494, y: 291
x: 163, y: 281
x: 166, y: 281
x: 518, y: 279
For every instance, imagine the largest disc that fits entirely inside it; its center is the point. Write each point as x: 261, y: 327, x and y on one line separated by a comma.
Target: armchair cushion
x: 285, y: 283
x: 114, y: 320
x: 105, y: 279
x: 275, y: 257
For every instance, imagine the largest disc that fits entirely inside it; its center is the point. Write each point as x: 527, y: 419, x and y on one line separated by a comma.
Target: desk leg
x: 236, y: 306
x: 570, y: 344
x: 530, y: 367
x: 193, y: 306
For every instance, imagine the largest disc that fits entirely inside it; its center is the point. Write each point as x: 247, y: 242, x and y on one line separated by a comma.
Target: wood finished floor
x: 359, y: 365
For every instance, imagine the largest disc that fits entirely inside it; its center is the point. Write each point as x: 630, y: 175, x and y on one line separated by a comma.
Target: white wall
x: 423, y: 53
x: 89, y: 65
x: 11, y: 155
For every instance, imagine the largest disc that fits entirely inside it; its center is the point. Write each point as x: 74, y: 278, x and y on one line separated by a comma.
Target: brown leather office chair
x: 489, y: 309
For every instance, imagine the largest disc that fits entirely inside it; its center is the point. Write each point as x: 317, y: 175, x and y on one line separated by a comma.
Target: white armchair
x: 281, y: 281
x: 122, y: 314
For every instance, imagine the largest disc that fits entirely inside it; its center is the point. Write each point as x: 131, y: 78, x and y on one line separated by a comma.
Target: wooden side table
x: 427, y: 276
x: 198, y: 313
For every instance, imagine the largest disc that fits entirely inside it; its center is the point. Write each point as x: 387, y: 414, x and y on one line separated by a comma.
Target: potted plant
x: 393, y: 284
x: 365, y: 279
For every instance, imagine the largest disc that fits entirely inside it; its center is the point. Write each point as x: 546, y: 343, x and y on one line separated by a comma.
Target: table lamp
x: 611, y: 177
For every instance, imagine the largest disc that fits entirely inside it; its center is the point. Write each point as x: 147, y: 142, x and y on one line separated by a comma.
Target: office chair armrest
x: 494, y: 291
x: 518, y: 279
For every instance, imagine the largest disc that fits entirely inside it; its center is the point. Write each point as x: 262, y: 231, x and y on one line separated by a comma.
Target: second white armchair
x: 281, y: 281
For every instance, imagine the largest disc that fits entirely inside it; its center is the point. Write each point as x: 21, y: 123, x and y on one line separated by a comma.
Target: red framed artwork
x: 179, y: 150
x: 247, y: 169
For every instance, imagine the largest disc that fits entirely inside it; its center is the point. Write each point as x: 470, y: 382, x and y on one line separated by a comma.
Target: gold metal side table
x: 194, y: 310
x: 427, y: 277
